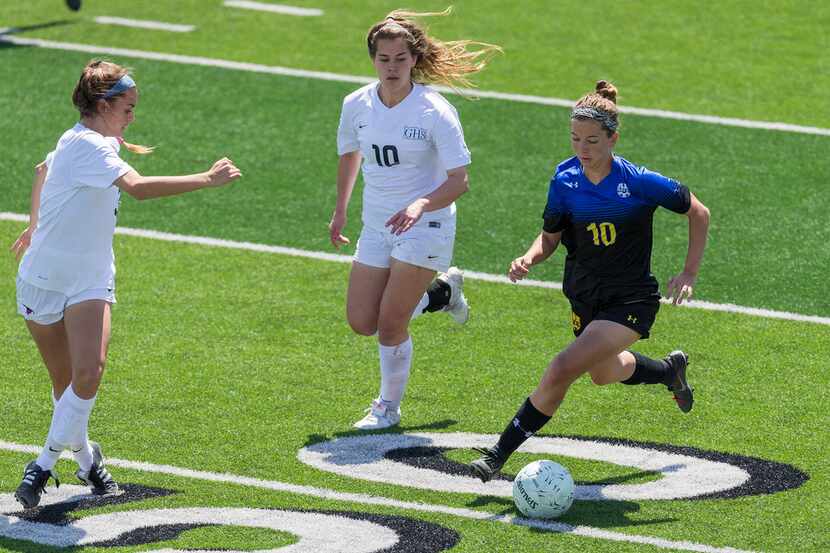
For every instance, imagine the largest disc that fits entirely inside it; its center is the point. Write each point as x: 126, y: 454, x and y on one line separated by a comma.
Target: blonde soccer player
x: 410, y: 143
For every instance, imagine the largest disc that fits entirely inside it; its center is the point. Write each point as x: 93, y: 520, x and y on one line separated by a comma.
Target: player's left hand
x: 680, y: 287
x: 22, y: 243
x: 404, y: 219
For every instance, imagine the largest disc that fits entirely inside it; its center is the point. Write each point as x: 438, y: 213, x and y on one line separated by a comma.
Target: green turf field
x: 734, y: 59
x: 232, y: 361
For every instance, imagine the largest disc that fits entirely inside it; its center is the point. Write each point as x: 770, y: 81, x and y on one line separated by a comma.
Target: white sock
x: 395, y: 362
x: 82, y: 454
x: 421, y: 306
x: 68, y: 428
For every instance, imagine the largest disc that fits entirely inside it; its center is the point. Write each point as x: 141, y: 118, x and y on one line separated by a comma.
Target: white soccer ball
x: 543, y: 489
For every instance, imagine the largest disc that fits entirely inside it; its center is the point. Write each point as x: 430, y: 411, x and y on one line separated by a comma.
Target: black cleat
x: 489, y: 465
x: 73, y: 5
x: 678, y: 361
x: 98, y: 478
x: 33, y: 485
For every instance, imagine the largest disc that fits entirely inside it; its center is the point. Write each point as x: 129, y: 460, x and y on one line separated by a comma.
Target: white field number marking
x: 682, y: 476
x: 316, y: 532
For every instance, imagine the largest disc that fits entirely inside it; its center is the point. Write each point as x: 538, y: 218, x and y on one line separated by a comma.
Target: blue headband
x: 124, y: 83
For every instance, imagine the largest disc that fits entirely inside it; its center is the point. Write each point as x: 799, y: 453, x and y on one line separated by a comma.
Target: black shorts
x: 637, y: 315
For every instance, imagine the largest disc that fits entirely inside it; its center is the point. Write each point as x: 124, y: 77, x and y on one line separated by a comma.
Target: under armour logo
x: 632, y: 319
x: 519, y: 426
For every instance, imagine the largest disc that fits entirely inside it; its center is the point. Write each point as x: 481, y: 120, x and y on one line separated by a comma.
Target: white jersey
x: 71, y: 249
x: 407, y: 149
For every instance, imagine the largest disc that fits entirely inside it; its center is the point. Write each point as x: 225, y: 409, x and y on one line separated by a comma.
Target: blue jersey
x: 607, y: 228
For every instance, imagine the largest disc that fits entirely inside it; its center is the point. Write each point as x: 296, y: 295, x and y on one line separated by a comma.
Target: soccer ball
x: 543, y: 489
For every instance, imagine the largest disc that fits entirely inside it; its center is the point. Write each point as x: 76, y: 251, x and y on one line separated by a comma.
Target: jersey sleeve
x: 346, y: 134
x: 97, y: 164
x: 555, y: 216
x: 664, y: 191
x: 448, y: 137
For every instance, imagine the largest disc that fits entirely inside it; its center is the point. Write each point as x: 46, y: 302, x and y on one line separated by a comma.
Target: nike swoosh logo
x: 54, y: 450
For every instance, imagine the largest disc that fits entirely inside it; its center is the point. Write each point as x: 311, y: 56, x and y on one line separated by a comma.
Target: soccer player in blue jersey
x: 600, y: 206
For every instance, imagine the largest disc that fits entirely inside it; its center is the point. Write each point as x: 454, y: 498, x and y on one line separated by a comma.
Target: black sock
x: 528, y: 421
x: 650, y: 371
x: 439, y: 293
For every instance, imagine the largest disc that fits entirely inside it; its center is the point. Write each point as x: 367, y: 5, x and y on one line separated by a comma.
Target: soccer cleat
x: 98, y: 477
x: 489, y: 465
x: 678, y: 361
x: 378, y: 416
x: 33, y: 485
x: 457, y: 306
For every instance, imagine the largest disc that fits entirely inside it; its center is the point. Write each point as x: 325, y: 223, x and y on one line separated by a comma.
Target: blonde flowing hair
x: 97, y: 78
x: 449, y: 63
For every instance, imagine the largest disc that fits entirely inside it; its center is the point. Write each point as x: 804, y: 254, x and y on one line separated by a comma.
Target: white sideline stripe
x: 472, y: 275
x: 326, y: 76
x: 276, y: 8
x: 144, y: 24
x: 325, y: 493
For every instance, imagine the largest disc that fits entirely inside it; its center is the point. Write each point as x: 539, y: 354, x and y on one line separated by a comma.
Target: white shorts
x: 46, y: 307
x: 423, y: 246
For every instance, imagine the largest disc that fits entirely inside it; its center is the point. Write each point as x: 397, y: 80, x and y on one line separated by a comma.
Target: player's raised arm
x: 139, y: 187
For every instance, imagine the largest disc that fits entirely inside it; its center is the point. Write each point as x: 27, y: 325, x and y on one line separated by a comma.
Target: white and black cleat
x: 457, y: 306
x: 33, y: 485
x: 98, y: 477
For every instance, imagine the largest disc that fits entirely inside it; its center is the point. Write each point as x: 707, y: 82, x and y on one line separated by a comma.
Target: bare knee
x: 86, y: 378
x: 561, y: 373
x: 392, y: 329
x: 362, y: 323
x: 364, y: 328
x: 600, y: 377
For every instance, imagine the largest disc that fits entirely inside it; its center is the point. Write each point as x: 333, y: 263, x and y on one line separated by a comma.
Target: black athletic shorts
x: 638, y: 315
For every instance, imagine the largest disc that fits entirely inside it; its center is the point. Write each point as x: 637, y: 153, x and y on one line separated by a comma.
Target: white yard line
x: 322, y: 75
x: 364, y: 499
x: 274, y: 8
x: 144, y: 24
x: 472, y: 275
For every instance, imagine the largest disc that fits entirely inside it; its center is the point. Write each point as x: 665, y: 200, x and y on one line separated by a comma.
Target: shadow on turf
x: 600, y: 514
x: 437, y: 425
x: 20, y: 30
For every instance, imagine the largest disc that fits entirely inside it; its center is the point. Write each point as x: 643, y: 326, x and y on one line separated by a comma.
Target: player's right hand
x: 518, y: 269
x: 336, y: 225
x: 223, y: 172
x: 22, y: 243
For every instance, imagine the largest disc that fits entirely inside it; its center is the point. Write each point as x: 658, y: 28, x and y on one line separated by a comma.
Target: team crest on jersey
x: 622, y: 190
x: 414, y: 133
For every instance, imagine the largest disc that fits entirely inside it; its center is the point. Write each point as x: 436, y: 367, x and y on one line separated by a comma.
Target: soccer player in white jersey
x: 414, y: 158
x: 66, y: 279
